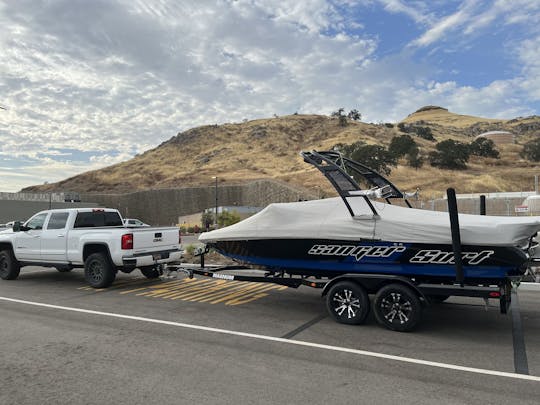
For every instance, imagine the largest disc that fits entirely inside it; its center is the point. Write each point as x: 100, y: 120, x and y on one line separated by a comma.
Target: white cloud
x: 50, y: 170
x: 448, y: 23
x: 119, y: 77
x: 416, y: 10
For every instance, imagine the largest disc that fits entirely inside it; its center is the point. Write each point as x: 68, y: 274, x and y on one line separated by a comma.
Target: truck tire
x: 9, y: 266
x: 150, y: 272
x: 397, y: 307
x: 348, y: 302
x: 98, y: 270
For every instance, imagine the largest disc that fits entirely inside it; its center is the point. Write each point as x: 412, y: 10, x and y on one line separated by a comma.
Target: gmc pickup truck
x: 95, y: 239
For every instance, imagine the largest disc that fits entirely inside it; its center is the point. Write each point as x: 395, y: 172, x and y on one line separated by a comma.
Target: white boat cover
x: 330, y: 219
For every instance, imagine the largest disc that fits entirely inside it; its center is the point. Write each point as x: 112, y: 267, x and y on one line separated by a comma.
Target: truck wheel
x: 397, y: 307
x: 98, y: 270
x: 150, y: 271
x: 348, y: 302
x: 9, y: 266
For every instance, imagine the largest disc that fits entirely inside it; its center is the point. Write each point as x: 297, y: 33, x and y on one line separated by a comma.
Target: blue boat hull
x: 330, y: 258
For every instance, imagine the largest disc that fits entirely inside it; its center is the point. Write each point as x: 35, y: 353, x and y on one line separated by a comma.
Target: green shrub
x: 450, y: 155
x: 375, y: 157
x: 483, y: 147
x: 401, y: 145
x: 531, y: 150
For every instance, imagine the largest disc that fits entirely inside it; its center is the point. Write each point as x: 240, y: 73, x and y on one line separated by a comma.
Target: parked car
x: 134, y: 223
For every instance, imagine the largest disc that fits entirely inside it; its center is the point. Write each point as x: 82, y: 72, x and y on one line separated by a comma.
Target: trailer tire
x: 150, y: 272
x: 397, y: 307
x: 348, y: 302
x: 9, y: 266
x: 99, y: 271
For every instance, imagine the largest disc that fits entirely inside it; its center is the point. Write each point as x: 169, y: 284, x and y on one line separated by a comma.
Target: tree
x: 354, y: 115
x: 402, y: 127
x: 340, y: 113
x: 531, y: 150
x: 414, y: 159
x: 227, y: 218
x: 375, y: 157
x: 401, y: 145
x: 207, y: 219
x: 483, y: 147
x: 450, y: 155
x: 424, y: 132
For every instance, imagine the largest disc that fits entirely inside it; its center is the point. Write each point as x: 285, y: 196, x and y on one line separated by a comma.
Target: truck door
x: 28, y: 243
x: 54, y: 238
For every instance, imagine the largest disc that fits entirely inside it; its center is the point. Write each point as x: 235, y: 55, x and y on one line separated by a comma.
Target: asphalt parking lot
x: 201, y: 340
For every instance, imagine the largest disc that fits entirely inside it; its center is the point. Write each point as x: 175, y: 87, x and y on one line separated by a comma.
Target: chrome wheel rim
x: 346, y: 304
x: 396, y: 308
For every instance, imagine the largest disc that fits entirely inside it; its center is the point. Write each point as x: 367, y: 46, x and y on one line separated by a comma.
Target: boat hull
x: 330, y: 258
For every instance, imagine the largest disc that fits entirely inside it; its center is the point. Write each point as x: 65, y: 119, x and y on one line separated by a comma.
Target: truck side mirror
x: 17, y: 226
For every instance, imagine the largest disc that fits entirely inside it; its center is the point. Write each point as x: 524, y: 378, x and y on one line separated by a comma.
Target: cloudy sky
x: 88, y: 83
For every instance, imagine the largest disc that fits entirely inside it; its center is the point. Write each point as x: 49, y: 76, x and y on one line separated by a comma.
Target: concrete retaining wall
x: 12, y: 210
x: 164, y: 206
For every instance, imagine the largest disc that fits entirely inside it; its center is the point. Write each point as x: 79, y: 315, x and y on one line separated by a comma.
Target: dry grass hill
x: 268, y: 148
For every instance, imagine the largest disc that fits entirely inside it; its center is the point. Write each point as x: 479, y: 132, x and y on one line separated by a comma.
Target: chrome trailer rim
x: 396, y: 308
x: 345, y: 301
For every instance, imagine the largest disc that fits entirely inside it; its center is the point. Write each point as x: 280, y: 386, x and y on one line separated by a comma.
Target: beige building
x: 498, y: 137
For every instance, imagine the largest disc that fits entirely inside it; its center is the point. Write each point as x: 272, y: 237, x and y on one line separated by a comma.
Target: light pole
x: 215, y: 218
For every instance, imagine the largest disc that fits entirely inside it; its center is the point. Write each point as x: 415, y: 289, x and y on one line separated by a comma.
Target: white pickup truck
x: 93, y: 238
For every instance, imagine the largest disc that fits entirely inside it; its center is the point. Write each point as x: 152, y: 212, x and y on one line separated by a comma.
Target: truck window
x: 58, y: 220
x: 37, y: 221
x: 97, y: 218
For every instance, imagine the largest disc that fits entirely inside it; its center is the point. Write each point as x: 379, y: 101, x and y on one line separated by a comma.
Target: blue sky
x: 86, y: 84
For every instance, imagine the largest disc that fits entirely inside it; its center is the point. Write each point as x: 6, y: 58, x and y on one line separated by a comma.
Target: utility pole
x: 216, y: 216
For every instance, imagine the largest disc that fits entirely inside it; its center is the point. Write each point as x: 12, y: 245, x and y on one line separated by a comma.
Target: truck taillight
x: 127, y: 241
x: 179, y: 236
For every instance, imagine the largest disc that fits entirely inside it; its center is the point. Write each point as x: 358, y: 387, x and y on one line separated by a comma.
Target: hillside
x: 268, y: 148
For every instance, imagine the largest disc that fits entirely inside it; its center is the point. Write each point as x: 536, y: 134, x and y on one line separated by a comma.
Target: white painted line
x: 287, y: 341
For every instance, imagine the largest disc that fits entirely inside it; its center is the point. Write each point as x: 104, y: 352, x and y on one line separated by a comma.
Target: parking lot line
x: 202, y: 290
x: 282, y: 340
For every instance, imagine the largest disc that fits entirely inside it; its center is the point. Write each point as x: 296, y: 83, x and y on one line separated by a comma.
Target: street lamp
x: 215, y: 218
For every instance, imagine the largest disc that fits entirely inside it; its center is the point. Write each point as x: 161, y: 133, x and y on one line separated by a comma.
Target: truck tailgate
x: 154, y: 239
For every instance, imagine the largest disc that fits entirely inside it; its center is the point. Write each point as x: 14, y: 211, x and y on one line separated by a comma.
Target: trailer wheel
x: 397, y: 307
x: 150, y: 271
x: 348, y: 302
x: 9, y: 266
x: 98, y: 270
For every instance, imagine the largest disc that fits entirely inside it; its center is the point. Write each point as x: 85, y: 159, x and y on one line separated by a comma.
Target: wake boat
x: 361, y: 231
